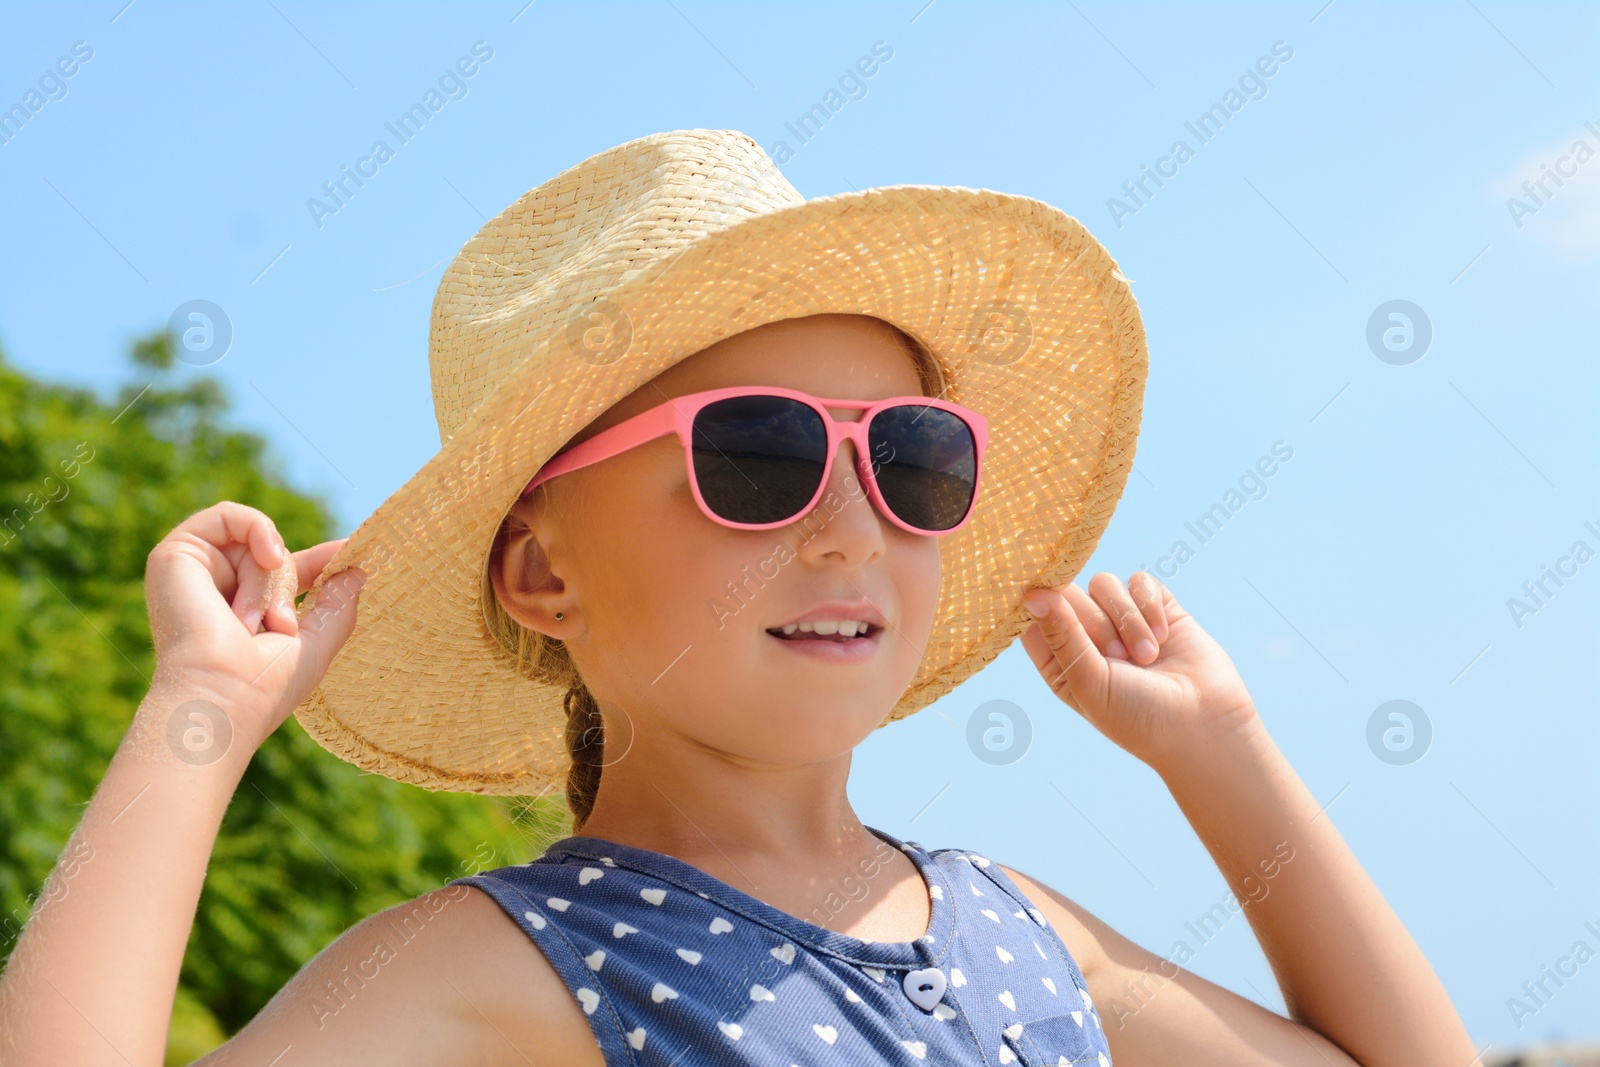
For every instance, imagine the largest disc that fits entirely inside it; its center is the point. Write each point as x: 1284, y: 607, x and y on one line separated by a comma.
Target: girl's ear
x: 526, y: 583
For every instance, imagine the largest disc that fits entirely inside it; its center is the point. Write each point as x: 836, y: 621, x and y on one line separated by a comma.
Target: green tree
x: 310, y: 844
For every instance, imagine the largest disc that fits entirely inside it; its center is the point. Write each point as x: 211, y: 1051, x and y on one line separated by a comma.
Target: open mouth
x: 836, y: 632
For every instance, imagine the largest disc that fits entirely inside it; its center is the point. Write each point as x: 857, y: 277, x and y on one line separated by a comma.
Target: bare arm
x: 1356, y: 985
x: 94, y: 974
x: 1153, y: 1011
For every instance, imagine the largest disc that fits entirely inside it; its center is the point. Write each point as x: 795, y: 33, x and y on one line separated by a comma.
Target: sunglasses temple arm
x: 640, y: 429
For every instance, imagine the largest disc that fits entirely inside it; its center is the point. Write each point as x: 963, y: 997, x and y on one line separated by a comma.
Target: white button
x: 925, y: 987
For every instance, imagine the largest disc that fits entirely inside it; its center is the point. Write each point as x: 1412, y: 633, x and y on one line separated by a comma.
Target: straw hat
x: 640, y: 256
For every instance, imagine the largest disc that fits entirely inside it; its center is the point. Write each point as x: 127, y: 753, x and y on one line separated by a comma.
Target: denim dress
x: 674, y: 967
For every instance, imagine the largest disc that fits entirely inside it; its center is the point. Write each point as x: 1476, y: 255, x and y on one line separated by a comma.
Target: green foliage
x: 310, y: 844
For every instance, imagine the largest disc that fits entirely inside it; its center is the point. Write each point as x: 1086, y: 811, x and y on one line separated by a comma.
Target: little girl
x: 729, y: 479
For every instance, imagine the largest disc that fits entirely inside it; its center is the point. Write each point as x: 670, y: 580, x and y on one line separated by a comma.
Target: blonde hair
x: 545, y: 659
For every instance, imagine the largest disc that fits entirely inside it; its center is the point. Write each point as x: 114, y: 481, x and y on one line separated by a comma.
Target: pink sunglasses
x: 759, y: 457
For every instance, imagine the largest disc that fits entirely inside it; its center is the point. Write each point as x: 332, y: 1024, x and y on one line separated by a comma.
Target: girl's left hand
x: 1155, y: 700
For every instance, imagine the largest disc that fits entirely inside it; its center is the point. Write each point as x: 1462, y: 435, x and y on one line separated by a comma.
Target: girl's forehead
x: 834, y: 355
x: 827, y: 355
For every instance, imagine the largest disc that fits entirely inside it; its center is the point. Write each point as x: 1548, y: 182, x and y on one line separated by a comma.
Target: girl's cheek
x: 672, y: 590
x: 921, y: 578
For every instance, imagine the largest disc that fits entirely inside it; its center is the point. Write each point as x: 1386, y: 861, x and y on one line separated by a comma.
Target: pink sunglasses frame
x: 677, y: 416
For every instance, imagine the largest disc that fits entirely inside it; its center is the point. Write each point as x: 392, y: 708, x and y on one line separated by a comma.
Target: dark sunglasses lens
x: 926, y: 463
x: 758, y: 459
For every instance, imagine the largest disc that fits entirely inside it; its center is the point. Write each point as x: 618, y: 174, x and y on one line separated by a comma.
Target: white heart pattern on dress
x: 1050, y: 984
x: 535, y: 920
x: 957, y: 979
x: 608, y: 861
x: 1008, y: 1000
x: 595, y: 959
x: 943, y: 1012
x: 558, y: 904
x: 623, y: 928
x: 1013, y: 1031
x: 589, y: 999
x: 589, y: 874
x: 689, y: 955
x: 1077, y: 1017
x: 851, y: 995
x: 654, y: 896
x: 919, y: 1049
x: 1006, y: 1055
x: 719, y: 925
x: 784, y: 953
x: 636, y: 1037
x: 992, y: 916
x: 936, y: 892
x: 733, y: 1030
x: 761, y: 992
x: 1005, y: 957
x: 925, y: 987
x: 827, y: 1033
x: 875, y: 973
x: 662, y: 991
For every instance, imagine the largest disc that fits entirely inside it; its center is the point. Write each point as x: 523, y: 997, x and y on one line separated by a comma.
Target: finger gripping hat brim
x: 613, y: 271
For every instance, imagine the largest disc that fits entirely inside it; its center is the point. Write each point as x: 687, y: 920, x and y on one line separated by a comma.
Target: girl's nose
x: 850, y: 531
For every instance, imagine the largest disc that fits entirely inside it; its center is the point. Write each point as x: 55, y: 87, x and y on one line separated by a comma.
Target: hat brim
x: 424, y: 694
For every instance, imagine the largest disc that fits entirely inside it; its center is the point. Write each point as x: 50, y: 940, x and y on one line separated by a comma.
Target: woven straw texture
x: 616, y: 269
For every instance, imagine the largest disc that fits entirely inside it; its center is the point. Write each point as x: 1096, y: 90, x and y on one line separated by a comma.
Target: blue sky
x: 1373, y: 165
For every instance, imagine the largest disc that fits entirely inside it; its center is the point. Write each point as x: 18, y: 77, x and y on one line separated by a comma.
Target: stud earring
x: 559, y: 616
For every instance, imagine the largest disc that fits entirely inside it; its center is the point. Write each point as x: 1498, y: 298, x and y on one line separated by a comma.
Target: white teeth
x: 827, y: 627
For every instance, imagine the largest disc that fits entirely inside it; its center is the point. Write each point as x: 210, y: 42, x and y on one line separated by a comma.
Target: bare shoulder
x: 446, y: 977
x: 1086, y: 937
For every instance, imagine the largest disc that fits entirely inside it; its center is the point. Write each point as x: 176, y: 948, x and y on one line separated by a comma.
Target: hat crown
x: 577, y: 237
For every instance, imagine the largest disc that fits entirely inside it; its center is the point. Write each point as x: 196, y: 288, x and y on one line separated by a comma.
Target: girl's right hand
x: 220, y: 589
